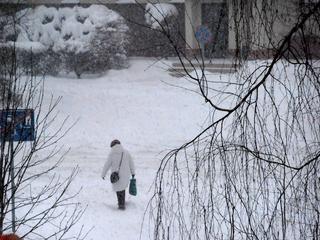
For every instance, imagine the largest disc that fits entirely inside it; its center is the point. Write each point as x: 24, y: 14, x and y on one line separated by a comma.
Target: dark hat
x: 114, y: 142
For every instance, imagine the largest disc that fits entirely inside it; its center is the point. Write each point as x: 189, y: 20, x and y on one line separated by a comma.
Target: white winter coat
x: 127, y: 167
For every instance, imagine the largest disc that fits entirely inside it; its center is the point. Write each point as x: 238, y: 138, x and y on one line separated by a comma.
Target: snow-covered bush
x: 156, y: 14
x: 83, y: 40
x: 116, y: 43
x: 163, y: 21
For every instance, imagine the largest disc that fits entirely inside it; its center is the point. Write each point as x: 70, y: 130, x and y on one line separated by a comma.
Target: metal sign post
x: 16, y: 125
x: 13, y: 188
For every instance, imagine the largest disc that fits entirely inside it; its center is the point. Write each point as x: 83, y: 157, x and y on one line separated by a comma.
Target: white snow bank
x: 156, y: 13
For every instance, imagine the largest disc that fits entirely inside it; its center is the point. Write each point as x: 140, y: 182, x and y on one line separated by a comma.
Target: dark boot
x: 121, y: 195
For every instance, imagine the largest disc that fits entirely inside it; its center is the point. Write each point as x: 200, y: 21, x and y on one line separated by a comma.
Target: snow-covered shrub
x: 156, y: 14
x: 40, y: 62
x: 93, y: 44
x: 164, y: 24
x: 115, y: 39
x: 83, y: 40
x: 7, y: 31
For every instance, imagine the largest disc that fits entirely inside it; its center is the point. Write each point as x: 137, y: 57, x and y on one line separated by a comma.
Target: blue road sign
x: 17, y: 125
x: 203, y: 34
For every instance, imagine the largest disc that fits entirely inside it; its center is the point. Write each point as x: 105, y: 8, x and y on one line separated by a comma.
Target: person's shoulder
x: 127, y: 152
x: 122, y: 149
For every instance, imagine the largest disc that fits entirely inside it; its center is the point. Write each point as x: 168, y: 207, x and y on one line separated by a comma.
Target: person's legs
x: 121, y: 195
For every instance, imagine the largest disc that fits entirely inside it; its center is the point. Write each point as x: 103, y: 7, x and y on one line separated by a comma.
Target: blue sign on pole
x: 203, y: 34
x: 17, y: 125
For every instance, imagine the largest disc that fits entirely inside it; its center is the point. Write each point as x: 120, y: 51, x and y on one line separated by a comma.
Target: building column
x: 192, y: 21
x: 231, y: 28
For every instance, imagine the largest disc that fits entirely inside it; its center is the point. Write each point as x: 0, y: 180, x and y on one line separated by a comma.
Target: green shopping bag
x: 133, y: 187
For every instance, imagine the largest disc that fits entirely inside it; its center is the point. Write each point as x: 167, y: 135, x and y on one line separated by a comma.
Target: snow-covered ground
x: 151, y: 113
x: 140, y: 107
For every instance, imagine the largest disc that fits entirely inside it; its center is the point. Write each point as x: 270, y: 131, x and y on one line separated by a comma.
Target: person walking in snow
x: 119, y: 160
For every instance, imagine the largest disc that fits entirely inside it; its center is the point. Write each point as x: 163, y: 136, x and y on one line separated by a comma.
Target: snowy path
x: 102, y: 213
x: 147, y: 115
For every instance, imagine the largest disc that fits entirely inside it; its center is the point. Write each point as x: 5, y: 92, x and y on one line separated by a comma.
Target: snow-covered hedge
x: 83, y: 40
x: 157, y: 13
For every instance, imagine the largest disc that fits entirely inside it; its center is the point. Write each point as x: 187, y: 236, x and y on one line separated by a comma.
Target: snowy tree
x: 108, y: 47
x: 253, y: 171
x: 67, y: 38
x: 157, y: 15
x: 162, y: 20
